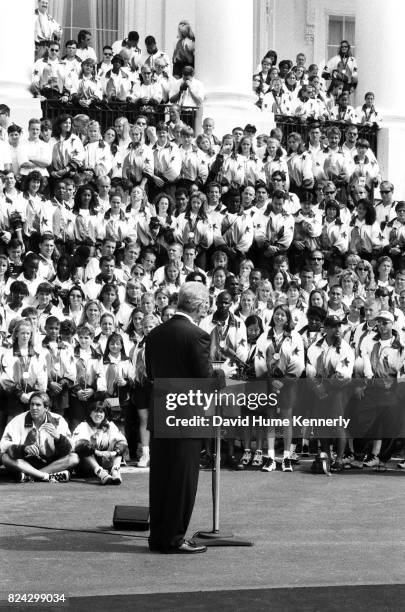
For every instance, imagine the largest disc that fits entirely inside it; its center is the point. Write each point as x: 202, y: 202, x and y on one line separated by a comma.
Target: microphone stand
x: 215, y: 537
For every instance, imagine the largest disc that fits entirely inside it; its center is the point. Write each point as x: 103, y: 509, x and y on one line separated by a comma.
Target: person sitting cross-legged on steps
x: 36, y: 444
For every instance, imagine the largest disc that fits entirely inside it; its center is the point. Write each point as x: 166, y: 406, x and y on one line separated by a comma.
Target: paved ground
x: 312, y: 535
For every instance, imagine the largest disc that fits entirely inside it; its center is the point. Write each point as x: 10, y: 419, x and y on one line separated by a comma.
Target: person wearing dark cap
x: 150, y: 235
x: 330, y: 363
x: 377, y: 413
x: 117, y: 84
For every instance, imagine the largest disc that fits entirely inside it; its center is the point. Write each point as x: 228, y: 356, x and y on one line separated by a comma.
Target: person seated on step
x: 100, y: 445
x: 36, y: 444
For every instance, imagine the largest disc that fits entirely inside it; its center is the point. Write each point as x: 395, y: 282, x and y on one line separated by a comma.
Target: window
x: 100, y: 17
x: 340, y: 28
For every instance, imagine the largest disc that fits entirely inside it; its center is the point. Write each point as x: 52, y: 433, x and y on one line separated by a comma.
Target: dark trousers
x: 376, y: 416
x: 173, y: 480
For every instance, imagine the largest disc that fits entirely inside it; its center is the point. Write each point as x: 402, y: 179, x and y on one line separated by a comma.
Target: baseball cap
x: 386, y: 315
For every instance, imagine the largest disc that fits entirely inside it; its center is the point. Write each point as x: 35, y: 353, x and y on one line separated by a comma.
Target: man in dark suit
x: 177, y: 349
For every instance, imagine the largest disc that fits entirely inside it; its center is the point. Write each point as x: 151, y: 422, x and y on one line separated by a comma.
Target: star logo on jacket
x: 345, y: 362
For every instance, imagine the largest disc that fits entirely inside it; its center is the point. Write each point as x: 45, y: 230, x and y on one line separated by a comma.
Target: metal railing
x: 291, y: 124
x: 106, y: 112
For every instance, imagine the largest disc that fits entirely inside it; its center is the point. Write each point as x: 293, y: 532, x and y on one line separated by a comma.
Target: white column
x: 57, y: 10
x: 380, y: 49
x: 224, y: 63
x: 132, y: 16
x: 16, y: 64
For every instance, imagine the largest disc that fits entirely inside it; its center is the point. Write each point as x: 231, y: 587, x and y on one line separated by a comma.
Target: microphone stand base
x: 219, y: 538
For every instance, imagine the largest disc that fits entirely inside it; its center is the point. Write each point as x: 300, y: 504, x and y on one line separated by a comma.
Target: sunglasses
x: 55, y: 50
x: 360, y: 268
x: 329, y: 192
x: 317, y: 258
x: 381, y: 191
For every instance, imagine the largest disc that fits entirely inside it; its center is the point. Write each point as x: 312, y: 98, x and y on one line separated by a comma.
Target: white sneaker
x: 116, y: 476
x: 143, y: 461
x: 401, y: 465
x: 257, y: 460
x: 246, y: 458
x: 371, y: 461
x: 63, y: 476
x: 294, y: 457
x: 104, y: 477
x: 286, y: 465
x: 269, y: 465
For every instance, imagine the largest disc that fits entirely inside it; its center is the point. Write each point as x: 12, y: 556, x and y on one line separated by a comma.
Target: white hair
x: 192, y: 295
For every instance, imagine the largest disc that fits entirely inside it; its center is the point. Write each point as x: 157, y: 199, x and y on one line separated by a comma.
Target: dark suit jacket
x: 178, y: 349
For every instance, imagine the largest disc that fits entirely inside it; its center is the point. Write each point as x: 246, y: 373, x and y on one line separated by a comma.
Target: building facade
x: 232, y: 36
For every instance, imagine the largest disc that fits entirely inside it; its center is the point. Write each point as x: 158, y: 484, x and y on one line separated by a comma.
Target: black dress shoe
x: 186, y: 548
